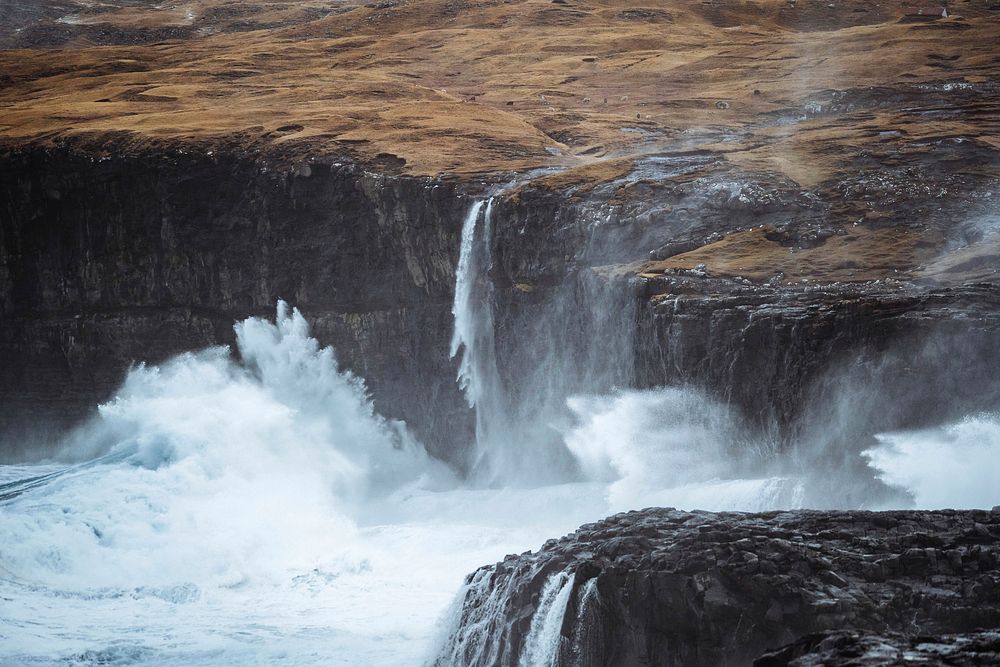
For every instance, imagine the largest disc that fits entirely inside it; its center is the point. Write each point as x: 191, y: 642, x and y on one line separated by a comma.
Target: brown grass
x: 857, y: 254
x: 482, y: 85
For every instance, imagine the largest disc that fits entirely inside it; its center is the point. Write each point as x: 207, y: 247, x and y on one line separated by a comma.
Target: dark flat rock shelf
x: 665, y: 587
x: 867, y: 650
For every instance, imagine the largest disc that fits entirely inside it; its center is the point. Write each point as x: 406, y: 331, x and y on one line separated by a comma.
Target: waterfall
x: 582, y: 625
x: 576, y: 338
x: 474, y: 623
x: 463, y: 309
x: 552, y: 396
x: 473, y: 338
x: 479, y: 625
x: 541, y: 648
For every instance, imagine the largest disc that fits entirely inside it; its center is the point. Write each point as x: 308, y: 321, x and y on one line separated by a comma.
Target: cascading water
x: 541, y: 647
x: 548, y: 408
x: 576, y: 340
x: 583, y: 623
x: 473, y: 339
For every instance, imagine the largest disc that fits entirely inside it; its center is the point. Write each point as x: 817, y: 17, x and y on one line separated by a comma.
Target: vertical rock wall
x: 109, y: 261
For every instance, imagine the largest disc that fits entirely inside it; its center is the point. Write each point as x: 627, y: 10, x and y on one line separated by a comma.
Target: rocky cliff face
x: 113, y: 260
x: 671, y: 271
x: 787, y: 355
x: 108, y: 261
x: 695, y: 588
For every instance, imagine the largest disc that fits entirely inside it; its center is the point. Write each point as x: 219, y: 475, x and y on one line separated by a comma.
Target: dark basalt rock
x: 110, y: 258
x: 109, y: 261
x: 867, y: 650
x: 665, y: 587
x: 931, y: 351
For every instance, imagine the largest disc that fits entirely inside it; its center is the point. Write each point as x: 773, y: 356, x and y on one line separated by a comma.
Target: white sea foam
x: 673, y: 447
x: 256, y: 512
x: 260, y: 512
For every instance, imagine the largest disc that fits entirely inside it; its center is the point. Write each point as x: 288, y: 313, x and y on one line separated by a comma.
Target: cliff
x: 114, y: 260
x: 723, y: 192
x: 792, y: 205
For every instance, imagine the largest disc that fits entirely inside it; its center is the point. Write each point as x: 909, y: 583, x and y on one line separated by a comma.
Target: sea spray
x: 250, y: 509
x: 675, y: 447
x: 209, y: 468
x: 949, y: 467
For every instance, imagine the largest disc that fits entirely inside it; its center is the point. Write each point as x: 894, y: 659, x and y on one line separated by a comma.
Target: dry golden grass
x: 858, y: 254
x: 482, y: 85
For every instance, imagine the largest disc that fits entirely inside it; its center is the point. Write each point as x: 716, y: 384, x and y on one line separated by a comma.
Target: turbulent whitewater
x: 253, y: 512
x: 253, y: 508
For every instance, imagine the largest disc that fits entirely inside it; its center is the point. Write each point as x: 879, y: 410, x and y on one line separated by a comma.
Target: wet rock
x: 660, y: 586
x: 790, y: 355
x: 146, y: 256
x: 884, y: 650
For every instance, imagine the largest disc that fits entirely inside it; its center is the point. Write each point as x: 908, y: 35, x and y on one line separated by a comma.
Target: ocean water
x: 261, y: 512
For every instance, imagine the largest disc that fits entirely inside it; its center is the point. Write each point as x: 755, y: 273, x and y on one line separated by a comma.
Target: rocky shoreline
x: 661, y: 586
x: 868, y: 650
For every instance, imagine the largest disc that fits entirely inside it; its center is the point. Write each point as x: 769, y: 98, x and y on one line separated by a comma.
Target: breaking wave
x: 253, y: 508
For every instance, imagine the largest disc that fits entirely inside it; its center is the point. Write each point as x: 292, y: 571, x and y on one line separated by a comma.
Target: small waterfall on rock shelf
x: 582, y: 635
x: 541, y: 647
x: 471, y: 635
x: 479, y: 625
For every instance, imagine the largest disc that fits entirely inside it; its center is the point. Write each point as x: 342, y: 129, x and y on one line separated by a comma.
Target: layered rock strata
x: 108, y: 261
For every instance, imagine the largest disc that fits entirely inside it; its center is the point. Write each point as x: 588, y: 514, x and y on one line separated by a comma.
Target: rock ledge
x: 660, y: 586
